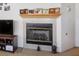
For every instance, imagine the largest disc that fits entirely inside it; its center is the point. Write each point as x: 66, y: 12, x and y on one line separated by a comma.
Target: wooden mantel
x: 40, y: 15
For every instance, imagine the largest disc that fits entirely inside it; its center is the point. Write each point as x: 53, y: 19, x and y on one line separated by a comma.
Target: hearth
x: 39, y: 33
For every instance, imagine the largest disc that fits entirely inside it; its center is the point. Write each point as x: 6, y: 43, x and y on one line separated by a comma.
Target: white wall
x: 68, y: 26
x: 77, y: 25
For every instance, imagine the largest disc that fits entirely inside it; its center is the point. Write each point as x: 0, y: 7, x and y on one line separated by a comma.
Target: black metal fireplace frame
x: 46, y: 25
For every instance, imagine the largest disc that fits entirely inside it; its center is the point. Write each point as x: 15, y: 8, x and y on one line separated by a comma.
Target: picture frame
x: 51, y: 10
x: 45, y: 11
x: 5, y: 3
x: 35, y: 11
x: 0, y: 8
x: 39, y: 10
x: 31, y: 11
x: 23, y: 11
x: 1, y: 4
x: 6, y: 8
x: 54, y: 10
x: 57, y: 10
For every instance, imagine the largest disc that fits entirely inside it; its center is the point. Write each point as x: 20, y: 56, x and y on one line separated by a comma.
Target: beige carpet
x: 29, y: 52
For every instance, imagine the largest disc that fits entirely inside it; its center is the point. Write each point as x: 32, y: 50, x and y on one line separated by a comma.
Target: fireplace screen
x: 39, y: 33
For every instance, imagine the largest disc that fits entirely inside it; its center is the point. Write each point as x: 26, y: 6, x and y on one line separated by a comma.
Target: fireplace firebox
x: 39, y: 33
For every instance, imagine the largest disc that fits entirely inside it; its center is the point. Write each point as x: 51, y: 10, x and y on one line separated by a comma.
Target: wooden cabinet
x: 8, y: 42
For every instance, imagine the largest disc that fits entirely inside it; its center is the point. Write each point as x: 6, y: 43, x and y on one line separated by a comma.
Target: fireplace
x: 39, y: 33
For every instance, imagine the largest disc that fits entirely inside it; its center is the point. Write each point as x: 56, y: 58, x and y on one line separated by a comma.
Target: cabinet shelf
x: 2, y: 44
x: 40, y: 15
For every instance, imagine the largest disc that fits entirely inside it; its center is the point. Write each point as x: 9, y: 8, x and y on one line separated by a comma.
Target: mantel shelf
x: 40, y: 15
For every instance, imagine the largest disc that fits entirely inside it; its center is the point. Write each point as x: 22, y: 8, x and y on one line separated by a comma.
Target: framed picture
x: 5, y: 3
x: 40, y: 10
x: 6, y: 8
x: 51, y: 10
x: 1, y: 4
x: 35, y: 11
x: 57, y: 10
x: 0, y: 8
x: 23, y: 11
x: 31, y: 12
x: 45, y: 11
x: 54, y: 10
